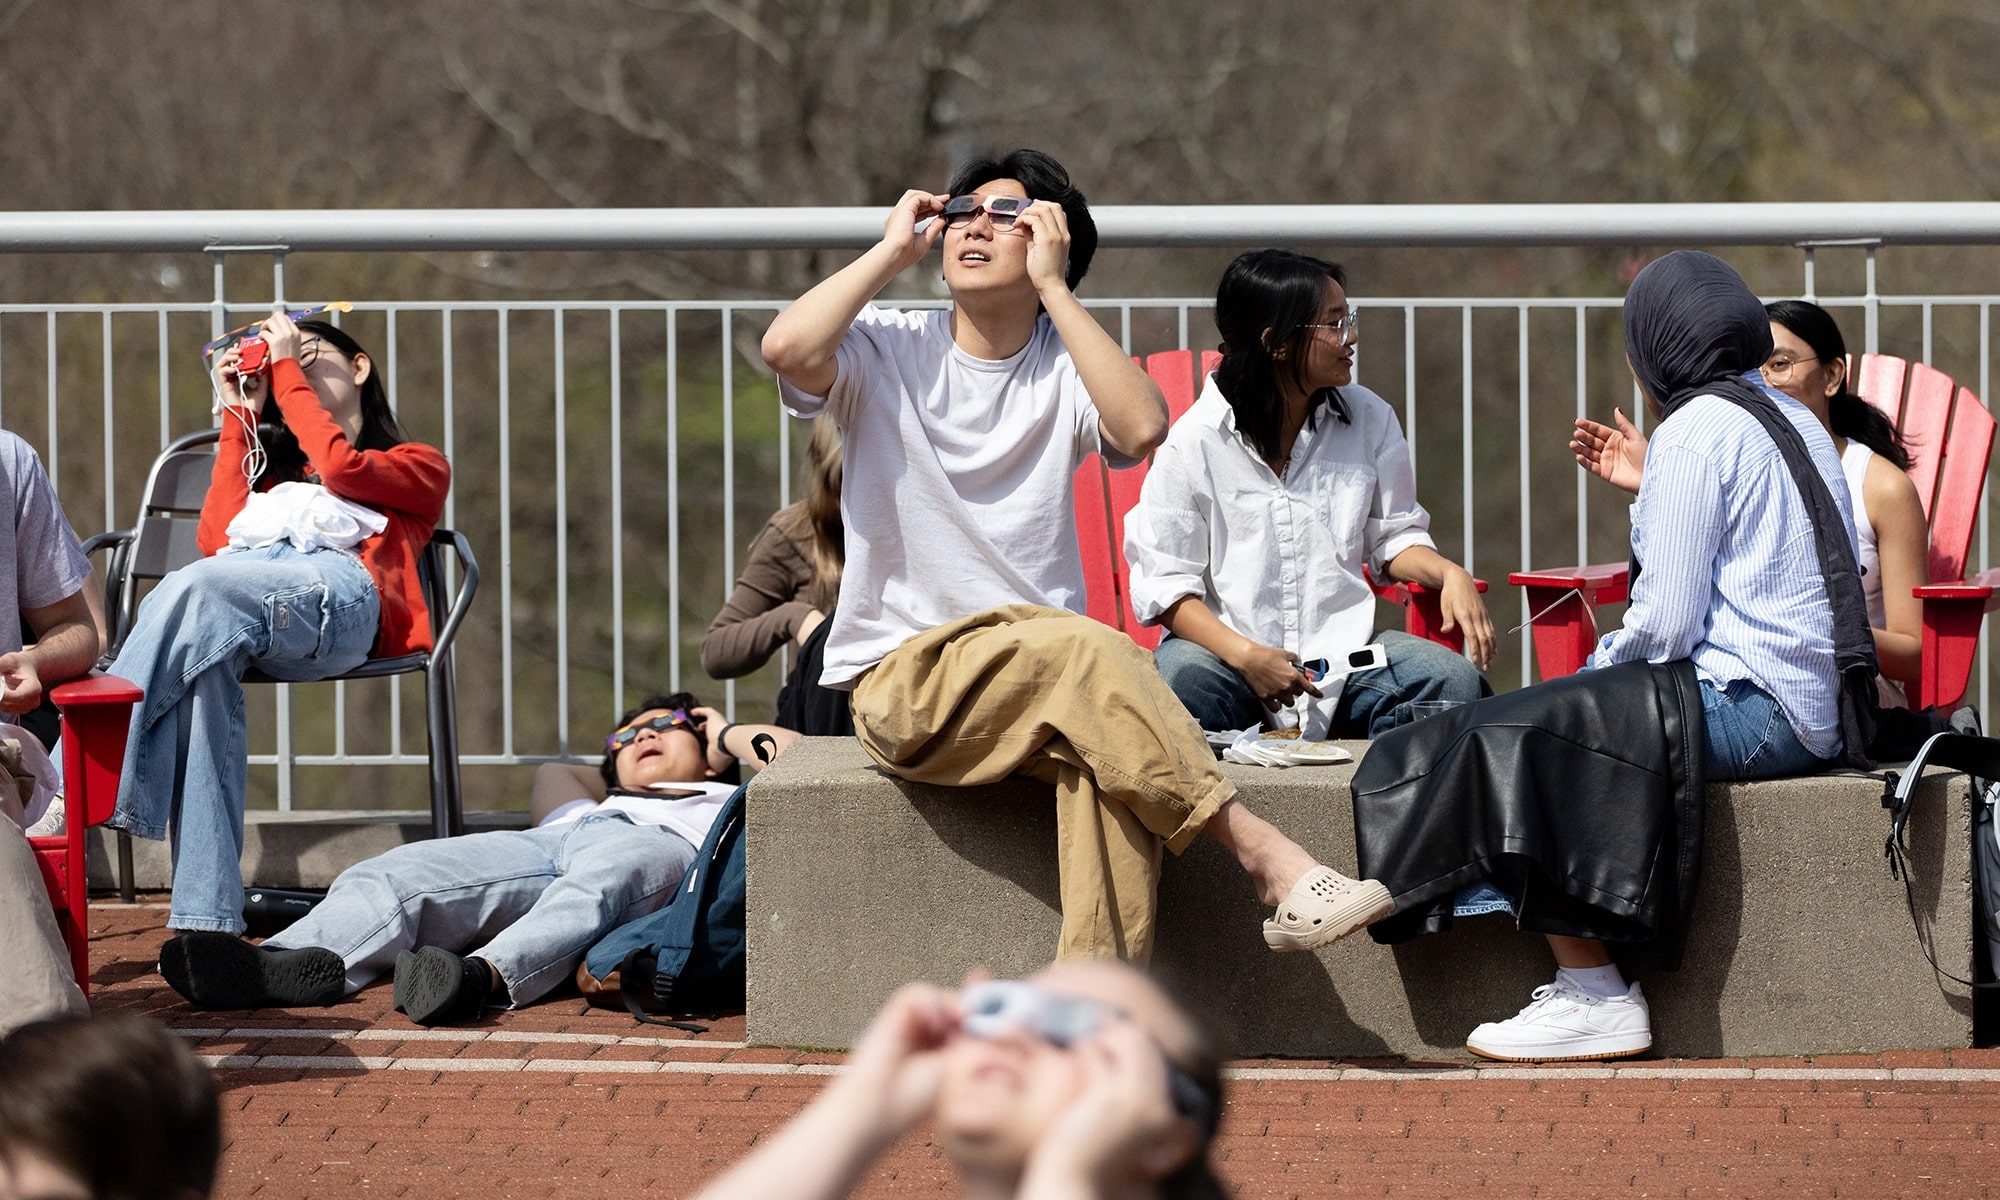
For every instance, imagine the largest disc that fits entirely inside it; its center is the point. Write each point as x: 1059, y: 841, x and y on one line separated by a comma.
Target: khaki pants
x: 35, y: 979
x: 1059, y: 697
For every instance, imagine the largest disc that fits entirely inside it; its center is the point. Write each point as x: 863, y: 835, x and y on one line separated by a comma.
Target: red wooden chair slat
x: 1926, y: 421
x: 1955, y: 511
x: 1101, y: 560
x: 1879, y: 379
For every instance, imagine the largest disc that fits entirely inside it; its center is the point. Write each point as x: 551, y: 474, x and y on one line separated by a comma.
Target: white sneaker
x: 1565, y: 1022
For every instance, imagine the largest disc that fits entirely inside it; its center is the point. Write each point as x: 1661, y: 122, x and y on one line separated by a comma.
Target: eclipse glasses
x: 254, y: 360
x: 1003, y: 211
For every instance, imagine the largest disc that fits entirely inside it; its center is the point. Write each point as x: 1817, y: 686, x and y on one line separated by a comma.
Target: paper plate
x: 1312, y: 753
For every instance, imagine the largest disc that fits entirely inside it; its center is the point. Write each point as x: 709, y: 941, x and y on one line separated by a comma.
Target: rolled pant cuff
x: 1207, y: 805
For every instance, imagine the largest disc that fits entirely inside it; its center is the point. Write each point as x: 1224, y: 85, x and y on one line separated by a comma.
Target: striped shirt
x: 1731, y: 574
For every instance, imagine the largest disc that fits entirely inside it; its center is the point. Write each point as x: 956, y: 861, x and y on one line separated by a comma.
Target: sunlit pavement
x: 562, y: 1099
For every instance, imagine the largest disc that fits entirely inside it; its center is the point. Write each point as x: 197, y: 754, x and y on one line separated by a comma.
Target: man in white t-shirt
x: 958, y: 628
x: 497, y: 919
x: 42, y: 576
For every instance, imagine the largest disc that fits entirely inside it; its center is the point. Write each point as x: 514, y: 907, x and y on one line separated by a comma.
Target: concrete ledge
x: 859, y: 882
x: 291, y: 849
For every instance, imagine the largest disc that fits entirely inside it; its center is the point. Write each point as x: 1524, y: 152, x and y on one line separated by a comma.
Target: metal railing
x: 648, y: 429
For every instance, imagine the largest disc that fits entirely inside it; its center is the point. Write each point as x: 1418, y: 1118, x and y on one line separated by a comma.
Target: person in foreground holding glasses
x: 960, y: 629
x: 1809, y: 363
x: 528, y: 903
x: 1263, y: 507
x: 1084, y: 1081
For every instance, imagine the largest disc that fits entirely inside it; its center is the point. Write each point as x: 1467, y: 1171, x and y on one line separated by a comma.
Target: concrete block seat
x: 1801, y: 942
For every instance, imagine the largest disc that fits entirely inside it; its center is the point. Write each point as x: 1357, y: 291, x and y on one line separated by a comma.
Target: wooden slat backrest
x: 1102, y: 560
x: 1925, y: 424
x: 1959, y: 479
x: 1879, y: 379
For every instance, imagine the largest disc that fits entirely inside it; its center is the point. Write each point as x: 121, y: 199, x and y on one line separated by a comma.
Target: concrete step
x: 1800, y: 942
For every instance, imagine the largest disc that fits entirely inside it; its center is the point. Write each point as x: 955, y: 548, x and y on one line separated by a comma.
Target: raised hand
x: 900, y: 233
x: 1047, y: 227
x: 1121, y: 1126
x: 1617, y: 456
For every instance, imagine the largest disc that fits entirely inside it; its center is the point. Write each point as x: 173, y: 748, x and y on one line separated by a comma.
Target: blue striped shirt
x: 1731, y: 574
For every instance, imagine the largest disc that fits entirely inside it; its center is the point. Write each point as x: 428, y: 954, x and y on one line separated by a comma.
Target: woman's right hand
x: 1273, y: 674
x: 1617, y: 456
x: 900, y: 234
x: 236, y: 391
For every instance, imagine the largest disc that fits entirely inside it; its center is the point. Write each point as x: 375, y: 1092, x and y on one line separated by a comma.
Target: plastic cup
x: 1421, y: 709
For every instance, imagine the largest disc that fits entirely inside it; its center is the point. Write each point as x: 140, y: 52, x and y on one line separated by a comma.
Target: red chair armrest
x: 1953, y: 613
x: 1421, y: 614
x: 96, y: 688
x: 96, y: 714
x: 1563, y: 602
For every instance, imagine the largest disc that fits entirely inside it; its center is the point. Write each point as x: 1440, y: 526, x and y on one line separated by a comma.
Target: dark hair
x: 1263, y: 304
x: 1044, y: 179
x: 1195, y: 1180
x: 114, y: 1100
x: 1849, y: 415
x: 284, y: 459
x: 683, y: 700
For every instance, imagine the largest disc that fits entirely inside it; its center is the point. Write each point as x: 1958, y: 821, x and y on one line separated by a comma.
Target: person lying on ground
x: 1264, y: 505
x: 959, y: 628
x: 1084, y: 1081
x: 496, y: 919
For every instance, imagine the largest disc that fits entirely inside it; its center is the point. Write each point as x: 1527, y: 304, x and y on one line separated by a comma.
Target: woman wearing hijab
x: 1744, y: 564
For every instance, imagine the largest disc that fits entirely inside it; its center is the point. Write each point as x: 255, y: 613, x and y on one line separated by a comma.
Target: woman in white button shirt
x: 1264, y: 504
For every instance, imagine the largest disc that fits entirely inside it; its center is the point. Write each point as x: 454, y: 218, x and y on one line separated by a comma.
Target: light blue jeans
x: 1371, y: 702
x: 532, y: 902
x: 293, y: 616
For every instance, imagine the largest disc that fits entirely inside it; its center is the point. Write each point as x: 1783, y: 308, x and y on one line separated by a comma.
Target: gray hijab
x: 1691, y: 324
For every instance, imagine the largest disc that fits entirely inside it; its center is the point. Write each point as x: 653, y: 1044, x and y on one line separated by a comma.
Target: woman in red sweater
x: 313, y: 529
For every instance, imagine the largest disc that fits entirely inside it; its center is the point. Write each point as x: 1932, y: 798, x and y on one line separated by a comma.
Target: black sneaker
x: 222, y: 971
x: 437, y: 987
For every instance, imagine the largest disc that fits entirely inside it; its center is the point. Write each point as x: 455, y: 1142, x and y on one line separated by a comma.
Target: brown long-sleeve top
x: 769, y: 601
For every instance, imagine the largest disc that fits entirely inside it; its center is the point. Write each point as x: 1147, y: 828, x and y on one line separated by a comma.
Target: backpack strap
x: 1979, y: 758
x: 639, y: 967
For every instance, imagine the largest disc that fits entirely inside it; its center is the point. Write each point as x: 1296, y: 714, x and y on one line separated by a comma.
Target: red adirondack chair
x: 1104, y: 497
x: 1950, y: 436
x: 96, y: 712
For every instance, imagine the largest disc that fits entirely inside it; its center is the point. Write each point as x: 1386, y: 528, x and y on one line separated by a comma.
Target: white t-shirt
x: 957, y: 480
x: 689, y: 816
x: 1278, y: 559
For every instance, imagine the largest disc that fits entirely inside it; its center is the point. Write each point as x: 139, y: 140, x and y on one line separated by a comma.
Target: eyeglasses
x: 1003, y: 211
x: 676, y: 719
x: 309, y: 352
x: 996, y: 1007
x: 1346, y: 330
x: 1780, y: 366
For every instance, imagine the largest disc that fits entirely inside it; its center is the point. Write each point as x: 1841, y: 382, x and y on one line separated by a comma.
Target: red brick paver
x: 561, y: 1100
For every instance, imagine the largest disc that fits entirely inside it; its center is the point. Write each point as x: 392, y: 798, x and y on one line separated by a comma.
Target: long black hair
x: 1850, y: 416
x: 1044, y: 179
x: 284, y: 459
x: 1262, y: 306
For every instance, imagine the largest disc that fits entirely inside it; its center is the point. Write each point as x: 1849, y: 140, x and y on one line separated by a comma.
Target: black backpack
x: 688, y: 956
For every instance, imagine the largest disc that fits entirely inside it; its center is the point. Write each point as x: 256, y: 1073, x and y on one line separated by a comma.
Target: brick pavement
x: 561, y: 1099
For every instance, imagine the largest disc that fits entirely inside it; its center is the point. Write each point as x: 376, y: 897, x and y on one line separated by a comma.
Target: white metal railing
x: 616, y: 409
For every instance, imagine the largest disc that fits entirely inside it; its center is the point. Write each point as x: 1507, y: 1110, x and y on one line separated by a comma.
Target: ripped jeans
x: 293, y: 616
